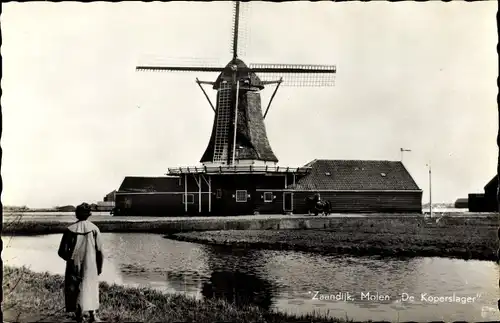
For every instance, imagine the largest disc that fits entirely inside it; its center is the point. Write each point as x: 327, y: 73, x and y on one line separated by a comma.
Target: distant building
x: 461, y: 203
x: 110, y: 197
x: 65, y: 208
x: 487, y: 201
x: 350, y: 186
x: 104, y: 206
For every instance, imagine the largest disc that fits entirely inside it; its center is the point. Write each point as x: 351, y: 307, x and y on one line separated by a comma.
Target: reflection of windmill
x: 236, y: 276
x: 238, y: 133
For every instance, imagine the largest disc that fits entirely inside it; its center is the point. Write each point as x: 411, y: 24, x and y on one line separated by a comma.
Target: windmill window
x: 218, y: 193
x: 188, y: 198
x: 268, y: 197
x: 241, y: 196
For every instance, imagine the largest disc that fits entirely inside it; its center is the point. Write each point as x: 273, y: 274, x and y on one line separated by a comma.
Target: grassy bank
x: 32, y: 225
x: 464, y: 238
x: 37, y: 226
x: 30, y: 297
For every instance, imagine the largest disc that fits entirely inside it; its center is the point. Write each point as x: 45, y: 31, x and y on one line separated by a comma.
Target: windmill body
x: 238, y: 132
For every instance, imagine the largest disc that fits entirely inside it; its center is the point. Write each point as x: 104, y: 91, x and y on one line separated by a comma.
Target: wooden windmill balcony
x: 238, y: 169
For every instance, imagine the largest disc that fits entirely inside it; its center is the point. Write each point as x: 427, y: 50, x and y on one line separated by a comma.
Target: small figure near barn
x: 316, y: 205
x: 81, y: 248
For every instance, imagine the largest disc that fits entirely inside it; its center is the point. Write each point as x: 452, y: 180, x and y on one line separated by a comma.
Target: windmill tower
x: 239, y: 134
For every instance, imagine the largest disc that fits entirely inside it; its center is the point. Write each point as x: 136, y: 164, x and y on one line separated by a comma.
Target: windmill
x: 238, y: 132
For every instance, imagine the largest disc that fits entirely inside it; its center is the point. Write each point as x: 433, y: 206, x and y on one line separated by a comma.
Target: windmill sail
x: 297, y: 75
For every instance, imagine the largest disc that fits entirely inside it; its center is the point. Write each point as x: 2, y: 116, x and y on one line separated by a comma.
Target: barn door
x: 287, y: 201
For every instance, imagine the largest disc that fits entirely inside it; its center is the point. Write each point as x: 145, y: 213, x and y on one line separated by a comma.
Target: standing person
x: 81, y: 248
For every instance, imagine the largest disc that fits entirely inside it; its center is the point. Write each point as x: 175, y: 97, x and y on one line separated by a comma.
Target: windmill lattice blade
x: 179, y: 69
x: 293, y: 68
x: 243, y: 29
x: 297, y: 75
x: 234, y: 29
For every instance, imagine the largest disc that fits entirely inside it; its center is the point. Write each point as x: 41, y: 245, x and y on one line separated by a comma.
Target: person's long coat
x: 81, y: 248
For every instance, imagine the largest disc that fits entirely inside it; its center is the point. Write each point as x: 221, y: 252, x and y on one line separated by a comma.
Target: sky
x: 78, y: 118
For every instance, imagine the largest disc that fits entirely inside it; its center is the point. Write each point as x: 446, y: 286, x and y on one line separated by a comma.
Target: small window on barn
x: 218, y: 193
x: 268, y: 197
x: 383, y: 174
x: 188, y: 198
x: 241, y: 196
x: 328, y: 174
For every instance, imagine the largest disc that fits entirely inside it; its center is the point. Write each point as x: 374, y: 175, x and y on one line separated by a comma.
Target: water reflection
x: 304, y: 276
x: 234, y: 278
x: 149, y: 260
x: 283, y: 280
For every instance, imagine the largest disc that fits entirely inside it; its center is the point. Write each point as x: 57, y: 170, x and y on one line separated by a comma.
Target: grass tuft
x: 39, y: 297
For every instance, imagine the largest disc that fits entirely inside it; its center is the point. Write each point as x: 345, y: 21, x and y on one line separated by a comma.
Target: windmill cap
x: 238, y: 64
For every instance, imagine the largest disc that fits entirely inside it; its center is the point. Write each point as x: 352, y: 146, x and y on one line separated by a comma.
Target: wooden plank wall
x: 160, y: 204
x: 365, y: 201
x: 274, y: 207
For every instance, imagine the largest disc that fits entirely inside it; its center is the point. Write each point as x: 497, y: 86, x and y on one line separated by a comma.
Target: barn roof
x: 492, y: 185
x: 149, y: 184
x: 356, y: 175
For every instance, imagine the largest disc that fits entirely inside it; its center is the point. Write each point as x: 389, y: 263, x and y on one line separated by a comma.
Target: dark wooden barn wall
x: 365, y: 201
x: 274, y: 207
x: 228, y: 184
x: 170, y: 204
x: 342, y: 202
x: 159, y: 204
x: 345, y: 202
x: 482, y: 203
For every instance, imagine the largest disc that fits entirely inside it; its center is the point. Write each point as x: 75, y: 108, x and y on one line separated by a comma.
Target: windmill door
x: 288, y: 201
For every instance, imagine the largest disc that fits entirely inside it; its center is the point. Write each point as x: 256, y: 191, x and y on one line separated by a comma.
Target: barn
x: 487, y: 201
x: 359, y: 186
x: 350, y: 186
